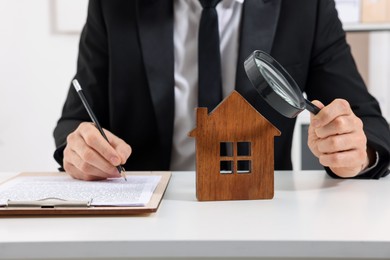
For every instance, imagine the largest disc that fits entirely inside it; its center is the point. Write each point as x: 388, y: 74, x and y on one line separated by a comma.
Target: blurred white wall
x: 37, y: 62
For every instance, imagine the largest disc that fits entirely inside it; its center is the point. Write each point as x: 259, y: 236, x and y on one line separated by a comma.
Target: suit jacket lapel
x: 258, y: 25
x: 155, y: 23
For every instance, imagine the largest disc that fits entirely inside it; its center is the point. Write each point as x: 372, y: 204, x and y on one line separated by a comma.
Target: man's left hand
x: 337, y: 139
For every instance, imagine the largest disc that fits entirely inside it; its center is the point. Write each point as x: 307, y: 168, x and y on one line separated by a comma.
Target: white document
x: 136, y: 191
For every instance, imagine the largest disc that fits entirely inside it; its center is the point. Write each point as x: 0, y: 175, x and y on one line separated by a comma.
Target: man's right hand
x: 88, y: 156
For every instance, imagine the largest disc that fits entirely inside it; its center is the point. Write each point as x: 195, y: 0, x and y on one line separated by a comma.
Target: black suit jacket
x: 126, y: 67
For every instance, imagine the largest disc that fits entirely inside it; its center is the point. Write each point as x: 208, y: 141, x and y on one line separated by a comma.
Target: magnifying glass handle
x: 311, y: 107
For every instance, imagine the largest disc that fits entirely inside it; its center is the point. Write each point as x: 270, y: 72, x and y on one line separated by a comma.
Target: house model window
x: 235, y: 157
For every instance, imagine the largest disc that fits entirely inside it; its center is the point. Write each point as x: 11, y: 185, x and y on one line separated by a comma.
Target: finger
x: 339, y: 143
x: 72, y: 170
x: 92, y: 163
x: 313, y: 118
x: 79, y: 154
x: 351, y: 159
x: 339, y: 107
x: 87, y: 170
x: 121, y: 147
x: 96, y: 141
x: 313, y: 139
x: 318, y: 104
x: 339, y: 126
x: 75, y: 173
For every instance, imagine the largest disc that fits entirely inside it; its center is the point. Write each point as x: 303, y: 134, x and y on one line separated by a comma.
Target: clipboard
x: 60, y: 207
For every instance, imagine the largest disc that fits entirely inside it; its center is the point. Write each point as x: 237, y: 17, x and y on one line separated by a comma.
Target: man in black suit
x: 137, y: 66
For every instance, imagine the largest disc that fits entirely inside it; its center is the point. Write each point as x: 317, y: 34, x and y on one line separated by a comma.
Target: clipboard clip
x: 49, y: 203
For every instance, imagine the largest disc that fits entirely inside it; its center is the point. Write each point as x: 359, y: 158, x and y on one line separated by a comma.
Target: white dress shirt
x: 186, y: 25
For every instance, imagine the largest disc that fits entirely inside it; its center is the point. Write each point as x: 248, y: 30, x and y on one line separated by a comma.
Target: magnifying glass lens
x: 276, y: 86
x: 278, y: 83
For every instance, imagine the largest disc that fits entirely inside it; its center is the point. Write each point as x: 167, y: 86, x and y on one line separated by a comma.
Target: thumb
x: 313, y: 139
x: 318, y: 104
x: 313, y: 121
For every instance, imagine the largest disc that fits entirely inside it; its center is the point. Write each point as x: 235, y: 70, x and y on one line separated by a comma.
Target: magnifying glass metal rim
x: 268, y: 93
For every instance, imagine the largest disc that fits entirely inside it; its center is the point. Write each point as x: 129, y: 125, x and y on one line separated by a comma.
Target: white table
x: 310, y: 216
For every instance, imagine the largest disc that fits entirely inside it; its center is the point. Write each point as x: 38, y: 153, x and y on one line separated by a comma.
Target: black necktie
x: 209, y: 57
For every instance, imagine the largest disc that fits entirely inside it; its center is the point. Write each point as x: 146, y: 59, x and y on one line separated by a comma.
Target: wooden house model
x: 234, y: 152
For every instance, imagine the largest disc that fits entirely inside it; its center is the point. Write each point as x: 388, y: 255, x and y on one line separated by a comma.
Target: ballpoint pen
x: 79, y: 91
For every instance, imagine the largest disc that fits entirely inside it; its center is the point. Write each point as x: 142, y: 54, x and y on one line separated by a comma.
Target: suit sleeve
x: 92, y: 73
x: 333, y: 74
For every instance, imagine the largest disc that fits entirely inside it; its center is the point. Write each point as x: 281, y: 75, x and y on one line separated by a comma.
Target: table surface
x: 310, y: 216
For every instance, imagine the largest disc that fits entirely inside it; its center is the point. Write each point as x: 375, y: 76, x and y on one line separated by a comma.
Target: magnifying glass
x: 276, y: 86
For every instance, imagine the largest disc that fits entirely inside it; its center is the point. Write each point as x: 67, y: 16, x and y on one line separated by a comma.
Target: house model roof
x: 233, y: 111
